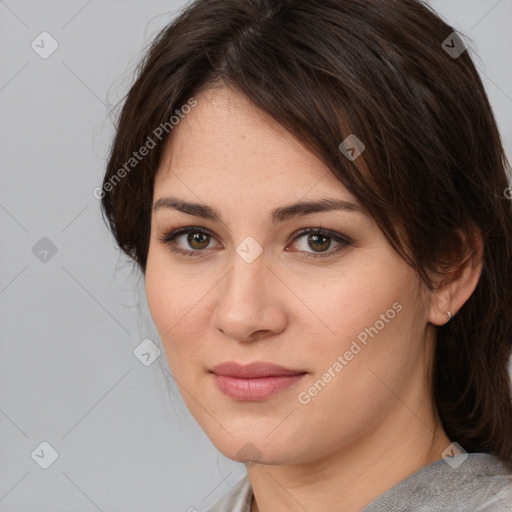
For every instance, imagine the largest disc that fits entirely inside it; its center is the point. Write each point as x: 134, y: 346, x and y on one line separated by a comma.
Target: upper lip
x: 253, y: 370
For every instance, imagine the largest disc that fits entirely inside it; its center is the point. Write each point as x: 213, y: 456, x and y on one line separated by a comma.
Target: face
x: 320, y: 293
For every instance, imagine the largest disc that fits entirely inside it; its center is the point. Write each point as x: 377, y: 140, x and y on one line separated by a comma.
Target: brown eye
x: 198, y: 240
x: 194, y: 244
x: 318, y: 241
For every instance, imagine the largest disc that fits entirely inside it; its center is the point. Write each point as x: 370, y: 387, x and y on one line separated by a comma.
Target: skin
x: 374, y: 423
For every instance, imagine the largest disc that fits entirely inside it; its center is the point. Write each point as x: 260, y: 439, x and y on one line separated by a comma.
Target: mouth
x: 255, y: 381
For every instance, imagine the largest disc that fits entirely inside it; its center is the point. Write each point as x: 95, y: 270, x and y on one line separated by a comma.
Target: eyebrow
x: 277, y: 215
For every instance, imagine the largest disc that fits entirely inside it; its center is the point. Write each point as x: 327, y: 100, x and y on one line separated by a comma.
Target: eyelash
x: 169, y: 237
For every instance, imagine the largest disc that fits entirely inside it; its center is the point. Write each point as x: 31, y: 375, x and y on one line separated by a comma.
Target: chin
x: 251, y: 449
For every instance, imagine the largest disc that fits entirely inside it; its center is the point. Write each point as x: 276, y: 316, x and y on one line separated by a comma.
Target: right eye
x: 196, y: 238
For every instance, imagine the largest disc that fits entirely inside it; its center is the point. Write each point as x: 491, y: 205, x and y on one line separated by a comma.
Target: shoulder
x: 476, y: 482
x: 237, y: 499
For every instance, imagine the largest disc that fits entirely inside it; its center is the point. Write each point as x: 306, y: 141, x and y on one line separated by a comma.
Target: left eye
x: 319, y: 240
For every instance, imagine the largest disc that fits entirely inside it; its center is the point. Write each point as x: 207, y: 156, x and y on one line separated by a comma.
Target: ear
x: 454, y: 288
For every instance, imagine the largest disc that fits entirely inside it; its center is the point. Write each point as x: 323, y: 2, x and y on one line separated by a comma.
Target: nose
x: 250, y: 301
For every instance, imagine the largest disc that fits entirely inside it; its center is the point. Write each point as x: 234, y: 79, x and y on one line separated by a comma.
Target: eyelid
x: 169, y: 236
x: 321, y: 231
x: 342, y: 240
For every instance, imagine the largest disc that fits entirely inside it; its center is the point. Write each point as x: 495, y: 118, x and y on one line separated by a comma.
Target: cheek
x: 339, y: 309
x: 368, y: 321
x: 179, y: 315
x: 169, y: 292
x: 177, y: 305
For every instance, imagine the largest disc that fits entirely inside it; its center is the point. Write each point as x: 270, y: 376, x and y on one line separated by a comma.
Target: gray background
x: 70, y: 324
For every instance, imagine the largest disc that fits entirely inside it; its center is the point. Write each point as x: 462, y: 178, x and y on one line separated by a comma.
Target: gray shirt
x: 473, y: 482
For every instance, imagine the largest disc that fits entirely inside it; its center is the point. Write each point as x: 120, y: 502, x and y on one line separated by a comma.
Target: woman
x: 315, y: 192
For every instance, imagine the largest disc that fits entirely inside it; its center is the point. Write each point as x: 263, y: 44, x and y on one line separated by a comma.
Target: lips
x: 253, y: 370
x: 255, y: 381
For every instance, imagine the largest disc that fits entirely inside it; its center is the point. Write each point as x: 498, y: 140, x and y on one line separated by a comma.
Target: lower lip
x: 255, y: 389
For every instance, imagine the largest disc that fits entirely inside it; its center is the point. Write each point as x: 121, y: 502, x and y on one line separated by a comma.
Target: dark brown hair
x: 433, y: 169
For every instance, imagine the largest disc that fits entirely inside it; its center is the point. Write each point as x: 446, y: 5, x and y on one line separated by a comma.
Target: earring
x: 448, y: 315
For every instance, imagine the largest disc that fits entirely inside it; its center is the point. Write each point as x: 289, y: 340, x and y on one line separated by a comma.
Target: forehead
x: 226, y: 144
